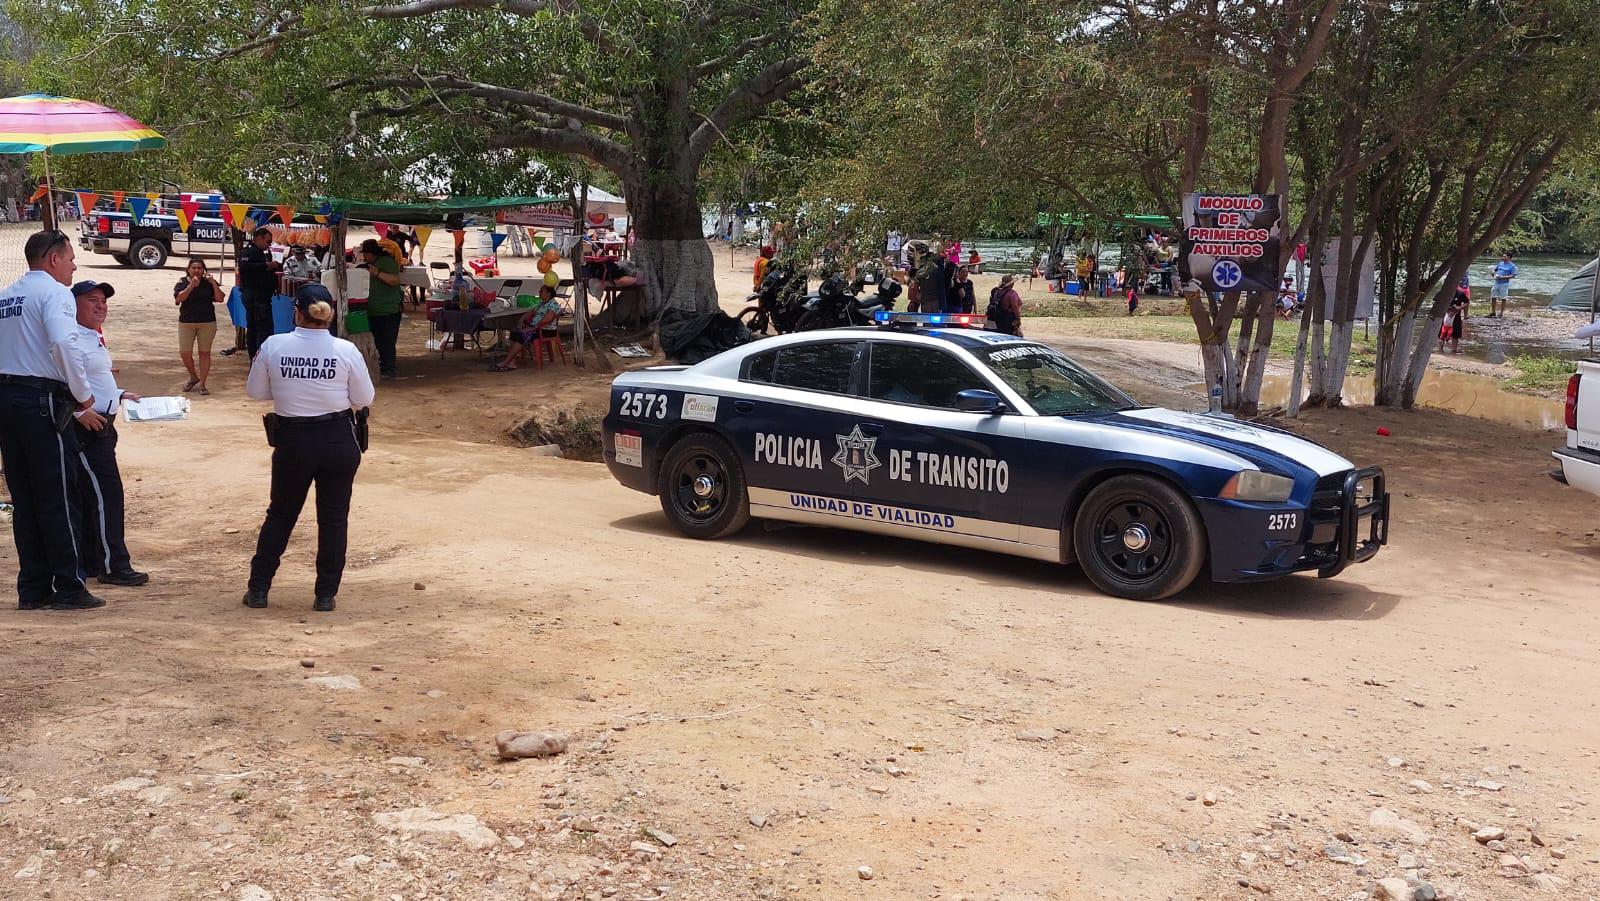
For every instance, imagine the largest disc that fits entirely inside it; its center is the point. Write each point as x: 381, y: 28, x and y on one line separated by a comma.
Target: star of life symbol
x: 855, y: 455
x: 1226, y: 274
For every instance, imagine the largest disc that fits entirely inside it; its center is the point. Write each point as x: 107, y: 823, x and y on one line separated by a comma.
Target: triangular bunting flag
x: 86, y: 201
x: 382, y: 228
x: 237, y: 213
x: 495, y: 240
x: 538, y: 241
x: 190, y: 208
x: 139, y: 206
x: 285, y: 214
x: 184, y: 218
x: 423, y: 231
x: 116, y: 199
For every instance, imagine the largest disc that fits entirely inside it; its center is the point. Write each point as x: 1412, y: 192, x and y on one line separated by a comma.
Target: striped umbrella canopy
x: 34, y: 123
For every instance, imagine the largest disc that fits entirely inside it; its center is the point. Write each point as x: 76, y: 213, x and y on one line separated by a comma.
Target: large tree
x: 377, y: 96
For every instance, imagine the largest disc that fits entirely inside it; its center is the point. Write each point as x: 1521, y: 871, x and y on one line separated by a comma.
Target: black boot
x: 81, y: 601
x: 131, y: 578
x: 254, y: 598
x: 323, y: 605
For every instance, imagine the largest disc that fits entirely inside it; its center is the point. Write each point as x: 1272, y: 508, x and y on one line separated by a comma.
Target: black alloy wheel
x: 702, y: 488
x: 1138, y: 537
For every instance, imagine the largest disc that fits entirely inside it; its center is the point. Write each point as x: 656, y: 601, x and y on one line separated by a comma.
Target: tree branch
x: 740, y: 51
x: 414, y: 8
x: 771, y: 84
x: 572, y: 141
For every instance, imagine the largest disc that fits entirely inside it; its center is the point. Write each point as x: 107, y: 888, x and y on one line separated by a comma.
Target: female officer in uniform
x: 316, y: 383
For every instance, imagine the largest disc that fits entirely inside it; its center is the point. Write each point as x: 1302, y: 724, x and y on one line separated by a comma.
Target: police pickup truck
x: 148, y: 242
x: 928, y: 429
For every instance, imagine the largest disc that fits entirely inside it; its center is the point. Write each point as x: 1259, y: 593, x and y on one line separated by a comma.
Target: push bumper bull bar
x: 1363, y: 520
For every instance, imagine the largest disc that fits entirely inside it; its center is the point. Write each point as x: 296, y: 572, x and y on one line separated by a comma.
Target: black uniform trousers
x: 385, y: 335
x: 41, y: 466
x: 323, y: 453
x: 258, y: 318
x: 102, y: 547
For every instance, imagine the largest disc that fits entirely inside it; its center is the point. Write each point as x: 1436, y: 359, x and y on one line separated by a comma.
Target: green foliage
x: 1540, y: 373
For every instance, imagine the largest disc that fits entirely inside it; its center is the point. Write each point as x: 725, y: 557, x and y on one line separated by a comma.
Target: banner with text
x: 1230, y: 241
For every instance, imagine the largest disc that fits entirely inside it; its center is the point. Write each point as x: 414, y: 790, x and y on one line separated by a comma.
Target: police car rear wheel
x: 1138, y: 537
x: 148, y: 254
x: 702, y: 488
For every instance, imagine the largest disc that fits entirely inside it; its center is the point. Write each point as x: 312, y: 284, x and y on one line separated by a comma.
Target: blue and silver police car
x: 928, y: 429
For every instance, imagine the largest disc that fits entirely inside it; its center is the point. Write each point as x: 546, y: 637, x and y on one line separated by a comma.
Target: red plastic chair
x: 547, y: 340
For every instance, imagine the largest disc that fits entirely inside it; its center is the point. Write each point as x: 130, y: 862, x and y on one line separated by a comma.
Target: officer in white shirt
x: 320, y: 388
x: 43, y: 388
x: 103, y: 550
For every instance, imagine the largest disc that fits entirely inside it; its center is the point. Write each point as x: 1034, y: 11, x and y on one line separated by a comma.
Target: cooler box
x: 356, y: 323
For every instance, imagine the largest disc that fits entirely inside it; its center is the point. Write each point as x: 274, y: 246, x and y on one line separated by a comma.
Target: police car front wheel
x: 1138, y: 537
x: 702, y: 488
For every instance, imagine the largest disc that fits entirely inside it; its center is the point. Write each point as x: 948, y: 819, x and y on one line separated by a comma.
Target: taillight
x: 102, y: 225
x: 1572, y: 402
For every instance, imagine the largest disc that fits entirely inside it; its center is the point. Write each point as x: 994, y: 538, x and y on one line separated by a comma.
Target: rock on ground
x: 425, y: 821
x: 1393, y: 889
x: 337, y: 683
x: 512, y: 744
x: 1387, y: 820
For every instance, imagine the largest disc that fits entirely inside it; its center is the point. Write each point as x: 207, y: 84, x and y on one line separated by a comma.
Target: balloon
x: 543, y: 264
x: 552, y: 255
x: 552, y: 280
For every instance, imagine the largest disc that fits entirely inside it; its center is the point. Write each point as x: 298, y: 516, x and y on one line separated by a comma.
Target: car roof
x: 969, y: 338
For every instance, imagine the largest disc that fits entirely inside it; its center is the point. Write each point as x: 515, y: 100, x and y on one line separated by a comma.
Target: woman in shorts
x: 196, y: 297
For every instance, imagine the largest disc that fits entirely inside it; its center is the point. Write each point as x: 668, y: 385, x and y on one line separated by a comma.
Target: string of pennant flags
x: 243, y: 216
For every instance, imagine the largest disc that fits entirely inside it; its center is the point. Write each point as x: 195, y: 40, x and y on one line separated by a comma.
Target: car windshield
x: 1053, y: 384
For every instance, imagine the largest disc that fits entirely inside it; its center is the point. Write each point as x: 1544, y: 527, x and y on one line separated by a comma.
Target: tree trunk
x: 673, y: 257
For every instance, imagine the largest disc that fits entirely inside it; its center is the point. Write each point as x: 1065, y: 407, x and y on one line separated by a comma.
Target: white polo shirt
x: 309, y: 372
x: 97, y: 365
x: 39, y: 332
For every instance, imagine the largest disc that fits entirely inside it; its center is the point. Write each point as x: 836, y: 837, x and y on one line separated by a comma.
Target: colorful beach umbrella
x: 41, y: 123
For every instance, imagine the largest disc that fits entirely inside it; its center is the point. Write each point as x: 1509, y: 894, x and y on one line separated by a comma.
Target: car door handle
x: 745, y: 406
x: 871, y: 428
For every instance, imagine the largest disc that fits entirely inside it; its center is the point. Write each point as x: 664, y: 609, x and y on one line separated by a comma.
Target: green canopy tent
x: 419, y: 212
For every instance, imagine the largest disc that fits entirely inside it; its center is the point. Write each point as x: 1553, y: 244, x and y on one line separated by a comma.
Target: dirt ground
x: 764, y: 716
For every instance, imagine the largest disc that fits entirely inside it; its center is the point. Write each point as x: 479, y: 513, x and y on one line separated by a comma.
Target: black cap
x: 310, y: 294
x: 372, y: 246
x: 82, y: 288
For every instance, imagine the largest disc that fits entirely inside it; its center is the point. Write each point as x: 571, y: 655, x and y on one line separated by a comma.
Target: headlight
x: 1254, y: 485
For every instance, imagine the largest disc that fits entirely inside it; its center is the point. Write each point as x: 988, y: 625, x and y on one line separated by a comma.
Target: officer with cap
x: 43, y: 389
x: 320, y: 389
x: 103, y: 550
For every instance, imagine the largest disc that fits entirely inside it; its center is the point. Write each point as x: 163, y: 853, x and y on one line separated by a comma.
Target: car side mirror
x: 977, y: 400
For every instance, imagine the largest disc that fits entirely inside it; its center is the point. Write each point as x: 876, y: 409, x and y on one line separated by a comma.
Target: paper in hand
x: 156, y: 409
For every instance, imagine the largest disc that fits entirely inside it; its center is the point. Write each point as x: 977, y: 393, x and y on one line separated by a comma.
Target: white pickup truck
x: 1580, y: 459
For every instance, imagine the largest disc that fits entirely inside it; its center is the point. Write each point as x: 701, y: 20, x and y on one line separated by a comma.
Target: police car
x: 928, y: 428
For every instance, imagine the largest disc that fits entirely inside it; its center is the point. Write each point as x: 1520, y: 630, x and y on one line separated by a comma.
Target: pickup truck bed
x: 1579, y: 461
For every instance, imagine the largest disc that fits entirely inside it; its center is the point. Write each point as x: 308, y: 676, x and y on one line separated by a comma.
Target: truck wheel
x: 148, y: 253
x: 702, y: 489
x: 122, y: 259
x: 1137, y: 537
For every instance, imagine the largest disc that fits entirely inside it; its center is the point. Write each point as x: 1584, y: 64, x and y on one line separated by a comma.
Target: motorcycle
x: 779, y: 303
x: 836, y: 304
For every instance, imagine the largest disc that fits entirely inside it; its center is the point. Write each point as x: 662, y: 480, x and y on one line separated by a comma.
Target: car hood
x: 1265, y: 447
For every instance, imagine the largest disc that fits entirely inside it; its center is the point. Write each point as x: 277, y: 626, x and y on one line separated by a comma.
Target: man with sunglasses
x: 44, y: 388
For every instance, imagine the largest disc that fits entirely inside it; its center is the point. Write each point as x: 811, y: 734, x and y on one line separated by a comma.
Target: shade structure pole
x: 48, y: 220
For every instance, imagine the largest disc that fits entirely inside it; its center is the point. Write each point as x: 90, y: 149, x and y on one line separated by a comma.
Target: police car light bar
x: 964, y: 320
